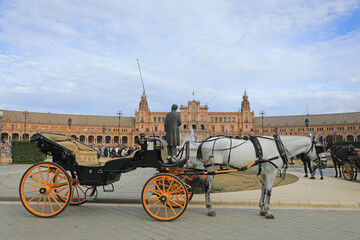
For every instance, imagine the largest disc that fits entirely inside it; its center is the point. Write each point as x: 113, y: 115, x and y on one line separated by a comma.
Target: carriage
x: 348, y: 159
x: 351, y: 165
x: 47, y: 188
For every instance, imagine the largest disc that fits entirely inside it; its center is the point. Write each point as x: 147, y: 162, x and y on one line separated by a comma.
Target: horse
x: 216, y: 152
x: 338, y: 155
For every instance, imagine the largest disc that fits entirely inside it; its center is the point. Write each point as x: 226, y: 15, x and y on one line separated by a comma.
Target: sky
x: 79, y: 56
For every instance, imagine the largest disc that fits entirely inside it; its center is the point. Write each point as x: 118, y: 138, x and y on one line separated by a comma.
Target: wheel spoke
x: 55, y: 200
x: 60, y: 195
x: 154, y: 204
x: 32, y: 184
x: 33, y: 198
x: 40, y: 172
x: 36, y: 179
x: 38, y: 201
x: 52, y: 210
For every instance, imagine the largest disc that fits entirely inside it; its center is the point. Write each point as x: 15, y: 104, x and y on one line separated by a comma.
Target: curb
x: 290, y: 204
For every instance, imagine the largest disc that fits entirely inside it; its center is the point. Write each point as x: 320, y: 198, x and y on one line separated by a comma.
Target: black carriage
x: 47, y: 188
x: 351, y: 165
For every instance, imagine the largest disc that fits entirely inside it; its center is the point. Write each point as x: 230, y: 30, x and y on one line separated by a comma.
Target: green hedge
x: 26, y: 152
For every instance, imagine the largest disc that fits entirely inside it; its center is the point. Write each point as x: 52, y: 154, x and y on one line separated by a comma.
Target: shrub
x: 25, y: 152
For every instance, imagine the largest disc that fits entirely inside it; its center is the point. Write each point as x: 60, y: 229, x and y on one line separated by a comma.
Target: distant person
x: 319, y: 166
x: 307, y: 163
x: 171, y: 124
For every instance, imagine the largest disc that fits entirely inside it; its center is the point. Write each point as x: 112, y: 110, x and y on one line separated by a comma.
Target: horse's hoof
x: 335, y: 175
x: 212, y: 214
x: 270, y: 216
x: 262, y: 213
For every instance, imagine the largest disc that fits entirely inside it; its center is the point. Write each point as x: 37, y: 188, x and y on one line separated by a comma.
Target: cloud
x: 83, y: 56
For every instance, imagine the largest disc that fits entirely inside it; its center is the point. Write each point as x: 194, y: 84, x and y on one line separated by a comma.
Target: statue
x: 172, y: 123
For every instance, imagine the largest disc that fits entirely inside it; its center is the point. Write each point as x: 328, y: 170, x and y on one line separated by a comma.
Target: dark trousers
x: 307, y: 165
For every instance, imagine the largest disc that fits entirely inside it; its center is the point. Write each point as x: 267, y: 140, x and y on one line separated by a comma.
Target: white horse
x: 240, y: 154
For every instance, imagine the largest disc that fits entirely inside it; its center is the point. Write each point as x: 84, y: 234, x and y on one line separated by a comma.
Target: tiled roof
x: 54, y: 118
x: 318, y: 119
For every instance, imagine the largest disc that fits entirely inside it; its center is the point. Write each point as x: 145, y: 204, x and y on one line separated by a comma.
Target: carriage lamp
x: 307, y: 126
x: 69, y: 123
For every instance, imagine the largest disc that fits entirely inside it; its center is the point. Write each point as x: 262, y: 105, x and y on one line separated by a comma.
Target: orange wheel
x: 348, y: 171
x: 80, y: 192
x: 161, y: 193
x: 38, y: 190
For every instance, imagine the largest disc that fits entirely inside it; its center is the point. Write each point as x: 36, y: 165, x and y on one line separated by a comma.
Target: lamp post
x: 12, y: 132
x: 25, y: 114
x: 262, y: 113
x: 69, y: 123
x: 1, y: 116
x: 103, y: 141
x: 307, y: 126
x: 119, y: 114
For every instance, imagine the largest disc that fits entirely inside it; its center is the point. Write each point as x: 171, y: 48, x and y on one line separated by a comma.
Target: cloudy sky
x: 79, y: 57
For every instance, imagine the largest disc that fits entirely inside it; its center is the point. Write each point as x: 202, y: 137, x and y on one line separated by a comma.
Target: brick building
x: 107, y: 130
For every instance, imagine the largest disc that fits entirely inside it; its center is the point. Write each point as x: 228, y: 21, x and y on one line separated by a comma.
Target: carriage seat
x: 82, y: 152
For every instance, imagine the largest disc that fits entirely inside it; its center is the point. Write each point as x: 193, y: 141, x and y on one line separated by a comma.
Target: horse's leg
x: 269, y: 178
x: 339, y: 166
x: 208, y: 183
x: 262, y: 198
x: 335, y: 166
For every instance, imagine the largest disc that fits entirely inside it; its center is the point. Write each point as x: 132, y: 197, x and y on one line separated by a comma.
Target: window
x: 233, y: 119
x: 154, y: 119
x: 216, y: 119
x: 220, y: 119
x: 232, y: 128
x: 211, y: 119
x: 213, y: 128
x: 224, y: 119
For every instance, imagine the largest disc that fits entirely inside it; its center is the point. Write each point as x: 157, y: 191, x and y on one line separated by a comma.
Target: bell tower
x: 142, y: 116
x: 246, y: 121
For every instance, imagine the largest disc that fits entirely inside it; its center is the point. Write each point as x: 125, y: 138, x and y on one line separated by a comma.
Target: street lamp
x: 307, y: 126
x: 262, y: 113
x: 119, y: 114
x: 103, y: 141
x: 69, y: 123
x: 25, y: 114
x: 12, y: 132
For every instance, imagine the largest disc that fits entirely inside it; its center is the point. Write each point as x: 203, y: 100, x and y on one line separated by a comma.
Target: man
x: 172, y: 123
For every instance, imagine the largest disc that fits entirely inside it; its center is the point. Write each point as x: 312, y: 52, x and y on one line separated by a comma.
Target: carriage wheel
x: 348, y: 171
x: 161, y: 193
x: 187, y: 181
x: 38, y: 189
x: 80, y: 192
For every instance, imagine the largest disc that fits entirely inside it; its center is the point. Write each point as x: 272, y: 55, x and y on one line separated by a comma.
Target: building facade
x: 197, y: 121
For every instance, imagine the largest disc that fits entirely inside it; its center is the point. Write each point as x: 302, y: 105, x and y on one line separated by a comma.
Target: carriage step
x: 109, y: 190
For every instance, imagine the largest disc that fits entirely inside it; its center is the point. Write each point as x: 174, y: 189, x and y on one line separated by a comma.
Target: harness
x: 258, y: 152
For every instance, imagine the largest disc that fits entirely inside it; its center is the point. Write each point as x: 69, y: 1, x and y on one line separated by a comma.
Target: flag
x: 193, y: 93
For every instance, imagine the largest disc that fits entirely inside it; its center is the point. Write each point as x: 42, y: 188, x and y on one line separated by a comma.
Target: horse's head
x: 316, y: 148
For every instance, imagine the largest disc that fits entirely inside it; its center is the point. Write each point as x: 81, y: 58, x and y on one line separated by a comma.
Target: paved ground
x: 308, y: 209
x: 122, y: 221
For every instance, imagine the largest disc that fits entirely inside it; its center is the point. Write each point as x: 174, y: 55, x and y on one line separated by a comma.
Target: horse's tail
x: 199, y: 152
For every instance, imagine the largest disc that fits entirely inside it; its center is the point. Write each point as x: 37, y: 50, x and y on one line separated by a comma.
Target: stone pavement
x: 330, y: 192
x: 123, y: 221
x: 308, y: 209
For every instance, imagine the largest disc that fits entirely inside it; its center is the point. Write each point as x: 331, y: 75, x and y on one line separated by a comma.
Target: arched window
x: 185, y: 126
